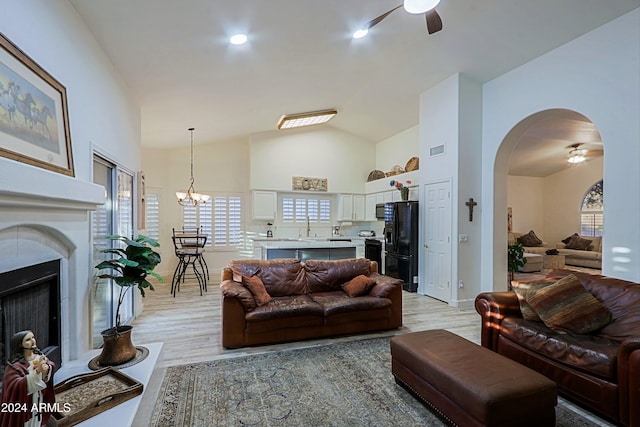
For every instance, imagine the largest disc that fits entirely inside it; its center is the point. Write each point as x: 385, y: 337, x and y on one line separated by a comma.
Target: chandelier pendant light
x: 191, y: 197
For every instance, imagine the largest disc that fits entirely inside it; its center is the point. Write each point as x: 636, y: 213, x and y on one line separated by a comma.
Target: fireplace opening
x: 30, y: 300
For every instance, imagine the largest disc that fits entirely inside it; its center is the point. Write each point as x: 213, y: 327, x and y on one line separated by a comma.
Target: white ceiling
x: 176, y: 59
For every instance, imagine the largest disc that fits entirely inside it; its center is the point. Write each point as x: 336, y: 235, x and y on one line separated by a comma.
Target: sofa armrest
x: 231, y: 289
x: 629, y: 381
x: 384, y: 285
x: 493, y: 307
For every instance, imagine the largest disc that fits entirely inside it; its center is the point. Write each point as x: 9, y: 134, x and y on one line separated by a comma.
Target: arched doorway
x: 538, y: 146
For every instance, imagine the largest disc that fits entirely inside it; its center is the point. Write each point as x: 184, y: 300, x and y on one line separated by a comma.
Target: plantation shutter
x: 325, y: 210
x: 313, y: 210
x: 220, y: 221
x: 301, y: 210
x: 153, y: 215
x: 235, y: 221
x: 204, y: 220
x: 189, y: 217
x: 287, y: 209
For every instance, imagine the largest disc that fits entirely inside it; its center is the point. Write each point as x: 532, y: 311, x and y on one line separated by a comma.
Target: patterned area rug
x: 341, y: 384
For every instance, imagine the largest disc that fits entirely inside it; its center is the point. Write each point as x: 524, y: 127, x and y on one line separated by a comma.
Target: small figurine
x: 27, y: 385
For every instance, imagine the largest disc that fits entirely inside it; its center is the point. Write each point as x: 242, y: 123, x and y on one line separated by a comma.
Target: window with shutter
x: 198, y: 217
x: 297, y: 209
x: 227, y: 221
x: 591, y: 211
x: 153, y: 215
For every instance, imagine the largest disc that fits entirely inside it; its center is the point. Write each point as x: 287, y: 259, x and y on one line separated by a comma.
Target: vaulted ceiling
x: 176, y: 59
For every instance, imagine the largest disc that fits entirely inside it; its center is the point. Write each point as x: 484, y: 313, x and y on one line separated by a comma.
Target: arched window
x: 591, y: 211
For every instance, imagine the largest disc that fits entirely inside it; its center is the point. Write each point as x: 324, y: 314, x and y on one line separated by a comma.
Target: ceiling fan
x: 579, y: 155
x: 426, y: 7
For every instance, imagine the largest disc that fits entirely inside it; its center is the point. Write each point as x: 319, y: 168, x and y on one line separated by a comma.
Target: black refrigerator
x: 401, y: 242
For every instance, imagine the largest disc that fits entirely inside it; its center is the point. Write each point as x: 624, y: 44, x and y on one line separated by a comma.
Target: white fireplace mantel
x: 28, y: 186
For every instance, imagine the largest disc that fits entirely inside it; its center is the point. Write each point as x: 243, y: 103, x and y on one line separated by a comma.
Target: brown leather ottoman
x: 469, y: 384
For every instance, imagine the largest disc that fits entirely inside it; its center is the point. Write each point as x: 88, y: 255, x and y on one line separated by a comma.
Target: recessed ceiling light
x: 306, y: 119
x: 238, y: 39
x: 360, y: 33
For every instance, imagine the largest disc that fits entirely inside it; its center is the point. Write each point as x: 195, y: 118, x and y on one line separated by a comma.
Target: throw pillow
x: 567, y: 306
x: 257, y: 289
x: 523, y: 291
x: 578, y: 243
x: 530, y: 239
x: 566, y: 240
x: 359, y: 285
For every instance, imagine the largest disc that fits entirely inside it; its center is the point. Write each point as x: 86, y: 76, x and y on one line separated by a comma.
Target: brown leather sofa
x: 600, y: 370
x: 307, y: 301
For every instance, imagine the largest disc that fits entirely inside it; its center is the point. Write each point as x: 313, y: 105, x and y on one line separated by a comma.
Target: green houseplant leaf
x: 130, y: 266
x: 516, y: 259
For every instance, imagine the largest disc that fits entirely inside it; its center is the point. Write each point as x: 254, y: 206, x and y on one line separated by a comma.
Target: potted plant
x: 516, y: 260
x: 404, y: 189
x: 128, y: 269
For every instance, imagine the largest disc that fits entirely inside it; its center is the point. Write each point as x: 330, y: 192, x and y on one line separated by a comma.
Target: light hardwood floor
x: 189, y: 324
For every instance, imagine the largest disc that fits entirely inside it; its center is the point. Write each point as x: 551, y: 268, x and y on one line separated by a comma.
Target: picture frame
x: 34, y: 119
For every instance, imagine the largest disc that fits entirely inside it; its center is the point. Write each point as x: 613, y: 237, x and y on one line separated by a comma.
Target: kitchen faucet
x: 308, y: 226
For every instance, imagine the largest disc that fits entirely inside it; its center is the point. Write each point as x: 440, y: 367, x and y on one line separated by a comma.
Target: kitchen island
x: 304, y: 249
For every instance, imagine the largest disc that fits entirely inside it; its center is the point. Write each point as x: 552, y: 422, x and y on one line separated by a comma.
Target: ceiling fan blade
x: 379, y: 19
x: 434, y: 23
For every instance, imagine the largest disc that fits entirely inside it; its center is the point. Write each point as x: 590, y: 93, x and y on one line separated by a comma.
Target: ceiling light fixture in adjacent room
x: 191, y: 197
x: 238, y: 39
x: 577, y: 155
x: 289, y: 121
x: 419, y: 6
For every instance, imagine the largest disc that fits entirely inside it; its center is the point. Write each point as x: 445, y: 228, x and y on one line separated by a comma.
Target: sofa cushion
x: 232, y: 289
x: 530, y: 239
x: 257, y: 289
x: 359, y: 285
x: 577, y: 242
x: 325, y: 276
x: 567, y: 305
x: 622, y: 299
x: 594, y: 354
x: 567, y: 239
x: 524, y: 289
x: 281, y: 277
x: 338, y: 302
x: 286, y: 307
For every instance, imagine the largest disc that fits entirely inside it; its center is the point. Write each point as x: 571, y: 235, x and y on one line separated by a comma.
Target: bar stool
x: 189, y: 248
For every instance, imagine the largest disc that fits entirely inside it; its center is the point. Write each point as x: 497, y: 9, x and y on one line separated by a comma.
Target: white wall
x: 218, y: 167
x: 322, y: 152
x: 525, y: 195
x: 598, y: 76
x: 101, y: 113
x: 398, y: 149
x: 451, y: 115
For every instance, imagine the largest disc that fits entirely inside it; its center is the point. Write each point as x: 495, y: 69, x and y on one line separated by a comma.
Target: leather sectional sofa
x: 304, y: 300
x: 600, y: 370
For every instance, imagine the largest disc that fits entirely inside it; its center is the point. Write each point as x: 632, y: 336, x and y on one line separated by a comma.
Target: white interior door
x: 437, y: 240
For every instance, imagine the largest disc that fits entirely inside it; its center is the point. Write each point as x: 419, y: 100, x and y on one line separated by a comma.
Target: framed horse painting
x: 34, y: 121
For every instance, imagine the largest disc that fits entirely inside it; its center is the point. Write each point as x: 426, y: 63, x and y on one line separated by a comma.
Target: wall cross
x: 470, y: 204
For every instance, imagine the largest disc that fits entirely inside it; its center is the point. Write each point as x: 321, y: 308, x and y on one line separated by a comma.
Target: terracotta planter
x: 117, y: 348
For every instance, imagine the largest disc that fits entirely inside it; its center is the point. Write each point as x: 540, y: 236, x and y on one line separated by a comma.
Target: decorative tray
x: 84, y: 396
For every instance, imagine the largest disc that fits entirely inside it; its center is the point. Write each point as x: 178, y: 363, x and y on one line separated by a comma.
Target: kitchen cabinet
x: 351, y: 207
x: 265, y: 205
